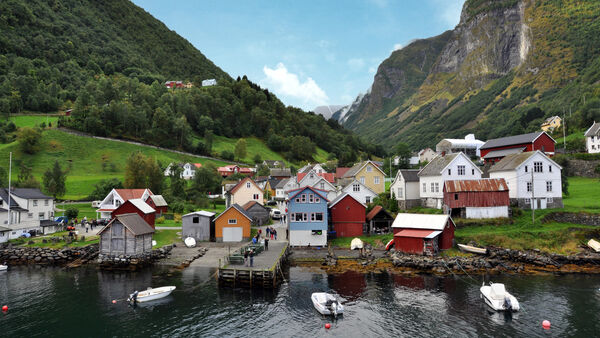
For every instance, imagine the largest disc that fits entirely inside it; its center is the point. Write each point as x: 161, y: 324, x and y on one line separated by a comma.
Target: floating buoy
x: 5, y: 308
x: 327, y: 326
x: 546, y: 324
x: 114, y: 301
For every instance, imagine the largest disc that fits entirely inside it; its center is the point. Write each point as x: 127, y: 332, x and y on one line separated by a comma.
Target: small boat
x: 496, y: 297
x: 472, y: 249
x: 389, y: 245
x: 3, y: 267
x: 356, y: 244
x: 327, y: 304
x: 594, y: 245
x: 190, y: 242
x: 150, y: 294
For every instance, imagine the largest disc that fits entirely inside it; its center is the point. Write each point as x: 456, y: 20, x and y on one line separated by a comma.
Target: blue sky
x: 308, y: 53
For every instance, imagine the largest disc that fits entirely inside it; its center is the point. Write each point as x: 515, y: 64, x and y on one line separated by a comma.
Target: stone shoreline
x: 46, y: 256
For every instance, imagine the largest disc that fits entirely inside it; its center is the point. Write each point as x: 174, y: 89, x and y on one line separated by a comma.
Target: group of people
x: 249, y: 254
x: 272, y: 233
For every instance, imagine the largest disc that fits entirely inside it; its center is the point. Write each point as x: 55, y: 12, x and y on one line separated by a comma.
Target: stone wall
x: 408, y: 204
x: 575, y: 218
x: 44, y: 256
x: 132, y: 262
x: 582, y: 168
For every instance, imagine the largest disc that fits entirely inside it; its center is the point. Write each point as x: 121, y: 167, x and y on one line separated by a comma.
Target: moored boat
x: 594, y: 245
x: 356, y: 244
x: 389, y: 245
x: 496, y: 297
x: 327, y: 304
x: 472, y: 249
x: 150, y: 294
x: 3, y: 267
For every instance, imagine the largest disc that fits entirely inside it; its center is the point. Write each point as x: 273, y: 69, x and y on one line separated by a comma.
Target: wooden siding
x: 223, y: 222
x: 118, y: 240
x: 476, y: 199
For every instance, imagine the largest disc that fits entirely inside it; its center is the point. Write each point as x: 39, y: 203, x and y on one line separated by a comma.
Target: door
x: 542, y: 204
x: 232, y: 234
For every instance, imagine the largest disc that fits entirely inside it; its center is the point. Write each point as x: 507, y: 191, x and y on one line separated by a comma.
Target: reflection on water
x: 57, y: 302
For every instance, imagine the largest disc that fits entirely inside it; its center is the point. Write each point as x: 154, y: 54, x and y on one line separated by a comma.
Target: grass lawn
x: 59, y: 245
x: 570, y: 137
x: 33, y: 120
x: 584, y: 195
x: 85, y: 209
x: 166, y: 237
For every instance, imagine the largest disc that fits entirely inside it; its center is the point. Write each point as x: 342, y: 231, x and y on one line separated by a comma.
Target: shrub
x: 227, y: 155
x: 597, y: 169
x: 71, y: 212
x: 160, y: 220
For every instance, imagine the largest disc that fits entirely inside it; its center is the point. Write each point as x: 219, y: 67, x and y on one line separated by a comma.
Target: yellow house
x: 243, y: 192
x: 369, y: 174
x: 551, y: 123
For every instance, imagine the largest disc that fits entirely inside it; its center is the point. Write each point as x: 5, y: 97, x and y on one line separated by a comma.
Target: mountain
x: 506, y: 66
x: 327, y: 111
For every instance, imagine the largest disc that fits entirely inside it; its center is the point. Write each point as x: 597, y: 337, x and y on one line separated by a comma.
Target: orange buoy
x: 114, y: 301
x: 5, y: 308
x: 327, y: 326
x: 546, y: 324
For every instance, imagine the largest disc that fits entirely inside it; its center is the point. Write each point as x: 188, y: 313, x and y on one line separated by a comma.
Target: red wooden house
x: 158, y: 203
x: 231, y: 169
x: 494, y: 150
x: 483, y: 198
x: 423, y: 234
x: 347, y: 216
x: 138, y: 206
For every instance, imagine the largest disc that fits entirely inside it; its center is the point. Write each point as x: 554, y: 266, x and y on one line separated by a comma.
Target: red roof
x: 128, y: 194
x: 339, y: 172
x: 374, y: 212
x: 197, y: 165
x: 482, y: 185
x: 417, y: 233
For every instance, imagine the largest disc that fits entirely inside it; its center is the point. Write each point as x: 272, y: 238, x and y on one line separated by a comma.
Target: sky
x: 309, y: 53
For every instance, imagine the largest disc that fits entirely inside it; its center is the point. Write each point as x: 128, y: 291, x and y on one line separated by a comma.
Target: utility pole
x: 564, y: 126
x: 532, y: 199
x: 9, y: 175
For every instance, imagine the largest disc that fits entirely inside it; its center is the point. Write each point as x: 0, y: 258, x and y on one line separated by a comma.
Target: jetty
x: 266, y: 272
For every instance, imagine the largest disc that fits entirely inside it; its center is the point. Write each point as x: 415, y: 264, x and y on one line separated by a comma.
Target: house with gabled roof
x: 280, y: 173
x: 369, y: 174
x: 358, y: 190
x: 494, y: 150
x: 423, y: 234
x: 116, y: 197
x: 405, y: 188
x: 231, y: 169
x: 455, y: 166
x: 259, y: 213
x: 138, y: 206
x: 244, y: 191
x: 533, y: 180
x: 233, y: 225
x: 316, y: 167
x: 307, y: 215
x: 592, y: 138
x: 347, y: 216
x: 126, y: 234
x: 158, y: 203
x: 30, y: 211
x: 379, y: 220
x: 482, y: 198
x: 551, y: 123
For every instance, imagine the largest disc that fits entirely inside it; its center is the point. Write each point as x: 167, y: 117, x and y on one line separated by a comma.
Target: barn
x: 138, y: 206
x: 380, y: 221
x: 483, y: 198
x: 494, y: 150
x: 126, y: 234
x: 423, y: 234
x: 158, y: 203
x: 347, y: 216
x: 198, y: 225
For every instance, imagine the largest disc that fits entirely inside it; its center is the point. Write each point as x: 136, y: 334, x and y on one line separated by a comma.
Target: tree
x: 257, y: 159
x: 240, y: 149
x: 71, y: 212
x: 102, y: 188
x: 29, y: 140
x: 403, y: 152
x: 54, y: 180
x: 135, y: 175
x: 177, y: 183
x: 263, y: 170
x: 25, y: 178
x: 154, y: 176
x: 3, y: 177
x: 207, y: 180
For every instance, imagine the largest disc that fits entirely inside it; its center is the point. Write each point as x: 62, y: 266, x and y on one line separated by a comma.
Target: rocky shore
x: 132, y: 262
x: 45, y: 256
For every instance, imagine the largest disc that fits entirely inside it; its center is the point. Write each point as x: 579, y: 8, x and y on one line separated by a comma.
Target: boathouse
x: 138, y: 206
x: 126, y: 234
x: 379, y: 220
x: 347, y: 216
x: 484, y: 198
x: 423, y: 234
x: 233, y: 225
x: 259, y: 213
x: 199, y: 225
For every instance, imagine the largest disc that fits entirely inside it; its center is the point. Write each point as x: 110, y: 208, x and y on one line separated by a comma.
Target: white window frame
x: 305, y: 217
x: 318, y: 214
x: 376, y: 180
x: 248, y: 185
x: 30, y: 215
x: 312, y: 217
x: 35, y: 203
x: 432, y: 187
x: 368, y: 199
x: 303, y: 198
x: 529, y: 186
x: 538, y: 167
x: 369, y: 169
x: 317, y: 199
x: 41, y: 215
x: 46, y: 202
x: 462, y: 170
x: 356, y: 187
x: 437, y: 187
x: 400, y: 192
x: 549, y: 200
x: 362, y: 179
x: 232, y: 221
x: 424, y: 187
x: 311, y: 198
x: 256, y: 196
x: 548, y: 186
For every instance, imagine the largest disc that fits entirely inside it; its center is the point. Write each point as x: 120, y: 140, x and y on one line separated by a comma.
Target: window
x: 356, y: 187
x: 550, y: 200
x: 1, y: 203
x: 528, y: 186
x: 248, y: 185
x: 35, y: 203
x: 472, y: 171
x: 317, y: 200
x: 312, y: 217
x: 30, y: 215
x: 46, y: 202
x: 298, y: 199
x: 550, y: 168
x: 304, y: 217
x: 368, y: 199
x: 376, y: 179
x: 456, y: 197
x: 195, y: 219
x: 461, y: 170
x: 424, y: 187
x: 41, y: 215
x: 232, y: 221
x: 527, y: 201
x: 537, y: 167
x: 311, y: 198
x: 400, y: 192
x: 437, y: 187
x: 525, y: 168
x: 318, y: 216
x: 312, y: 175
x: 549, y: 186
x: 303, y: 198
x: 369, y: 169
x: 362, y: 179
x: 449, y: 172
x: 432, y: 187
x: 255, y: 196
x: 322, y: 185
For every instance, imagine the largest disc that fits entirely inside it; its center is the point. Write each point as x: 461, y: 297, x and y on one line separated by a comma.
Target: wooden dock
x: 267, y: 271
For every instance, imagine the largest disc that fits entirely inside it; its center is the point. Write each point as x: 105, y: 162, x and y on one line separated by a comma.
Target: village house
x: 231, y: 169
x: 455, y: 166
x: 339, y: 173
x: 280, y: 173
x: 138, y: 206
x: 379, y: 220
x: 483, y: 198
x: 259, y: 213
x: 174, y: 84
x: 423, y: 234
x: 551, y: 123
x: 317, y: 168
x: 325, y: 185
x: 198, y: 225
x: 30, y: 210
x: 126, y: 234
x: 273, y: 164
x: 347, y: 216
x: 405, y: 188
x: 233, y: 225
x: 307, y: 215
x: 494, y: 150
x: 533, y: 179
x: 269, y: 188
x: 158, y: 203
x: 116, y: 197
x: 261, y: 182
x: 468, y: 146
x: 426, y: 155
x: 188, y: 170
x: 243, y: 192
x: 369, y: 174
x: 592, y: 138
x: 358, y: 190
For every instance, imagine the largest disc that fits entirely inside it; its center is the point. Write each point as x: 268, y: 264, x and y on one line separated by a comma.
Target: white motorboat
x: 150, y: 294
x: 472, y: 249
x: 496, y: 297
x: 327, y: 304
x: 3, y: 267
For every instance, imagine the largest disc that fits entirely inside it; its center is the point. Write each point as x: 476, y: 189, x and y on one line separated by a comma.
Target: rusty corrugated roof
x: 482, y: 185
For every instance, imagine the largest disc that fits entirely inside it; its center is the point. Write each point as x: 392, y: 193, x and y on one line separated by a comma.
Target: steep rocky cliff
x: 505, y: 59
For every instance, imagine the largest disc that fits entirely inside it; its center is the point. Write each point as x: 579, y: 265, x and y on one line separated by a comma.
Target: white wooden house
x: 30, y: 210
x: 532, y: 179
x: 592, y: 138
x: 405, y: 188
x: 359, y: 191
x: 116, y: 197
x: 188, y: 170
x: 455, y: 166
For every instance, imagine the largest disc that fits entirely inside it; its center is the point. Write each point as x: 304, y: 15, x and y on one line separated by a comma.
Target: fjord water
x: 78, y: 303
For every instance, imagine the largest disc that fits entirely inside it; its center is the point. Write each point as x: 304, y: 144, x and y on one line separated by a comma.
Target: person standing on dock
x: 268, y: 232
x: 267, y: 243
x: 246, y: 258
x: 251, y: 258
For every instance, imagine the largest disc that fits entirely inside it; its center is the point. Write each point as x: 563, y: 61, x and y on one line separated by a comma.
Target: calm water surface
x: 54, y: 302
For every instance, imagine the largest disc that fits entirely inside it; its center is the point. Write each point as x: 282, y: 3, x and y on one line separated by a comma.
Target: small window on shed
x: 456, y: 197
x: 195, y: 219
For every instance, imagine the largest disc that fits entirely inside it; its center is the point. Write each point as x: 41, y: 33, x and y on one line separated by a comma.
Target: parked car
x: 272, y: 202
x: 62, y: 219
x: 275, y: 214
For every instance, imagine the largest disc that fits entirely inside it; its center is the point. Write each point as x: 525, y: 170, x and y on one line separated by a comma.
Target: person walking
x: 275, y: 234
x: 87, y: 228
x: 268, y: 232
x: 251, y: 258
x: 246, y: 258
x: 272, y: 232
x: 267, y: 243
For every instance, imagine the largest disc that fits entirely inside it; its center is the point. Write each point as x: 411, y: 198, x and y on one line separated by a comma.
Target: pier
x: 266, y: 271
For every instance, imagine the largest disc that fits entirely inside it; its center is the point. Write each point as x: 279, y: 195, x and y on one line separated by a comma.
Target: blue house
x: 307, y: 214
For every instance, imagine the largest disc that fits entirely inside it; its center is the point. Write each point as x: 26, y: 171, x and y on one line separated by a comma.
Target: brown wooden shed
x: 126, y: 234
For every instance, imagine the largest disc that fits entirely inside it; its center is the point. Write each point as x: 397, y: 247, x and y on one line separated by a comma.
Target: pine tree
x: 54, y: 180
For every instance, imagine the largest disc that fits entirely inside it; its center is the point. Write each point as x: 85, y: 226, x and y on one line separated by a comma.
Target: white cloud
x: 356, y: 63
x: 448, y: 11
x: 287, y: 84
x: 397, y: 46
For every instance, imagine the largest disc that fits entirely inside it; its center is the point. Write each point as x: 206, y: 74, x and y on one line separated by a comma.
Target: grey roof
x: 511, y: 140
x: 281, y: 172
x: 29, y: 193
x: 355, y: 169
x: 200, y: 213
x: 504, y: 152
x: 511, y: 161
x: 273, y: 182
x: 435, y: 167
x: 134, y: 222
x: 13, y: 204
x: 4, y: 229
x: 159, y: 200
x: 410, y: 175
x: 594, y: 130
x: 47, y: 223
x: 282, y: 183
